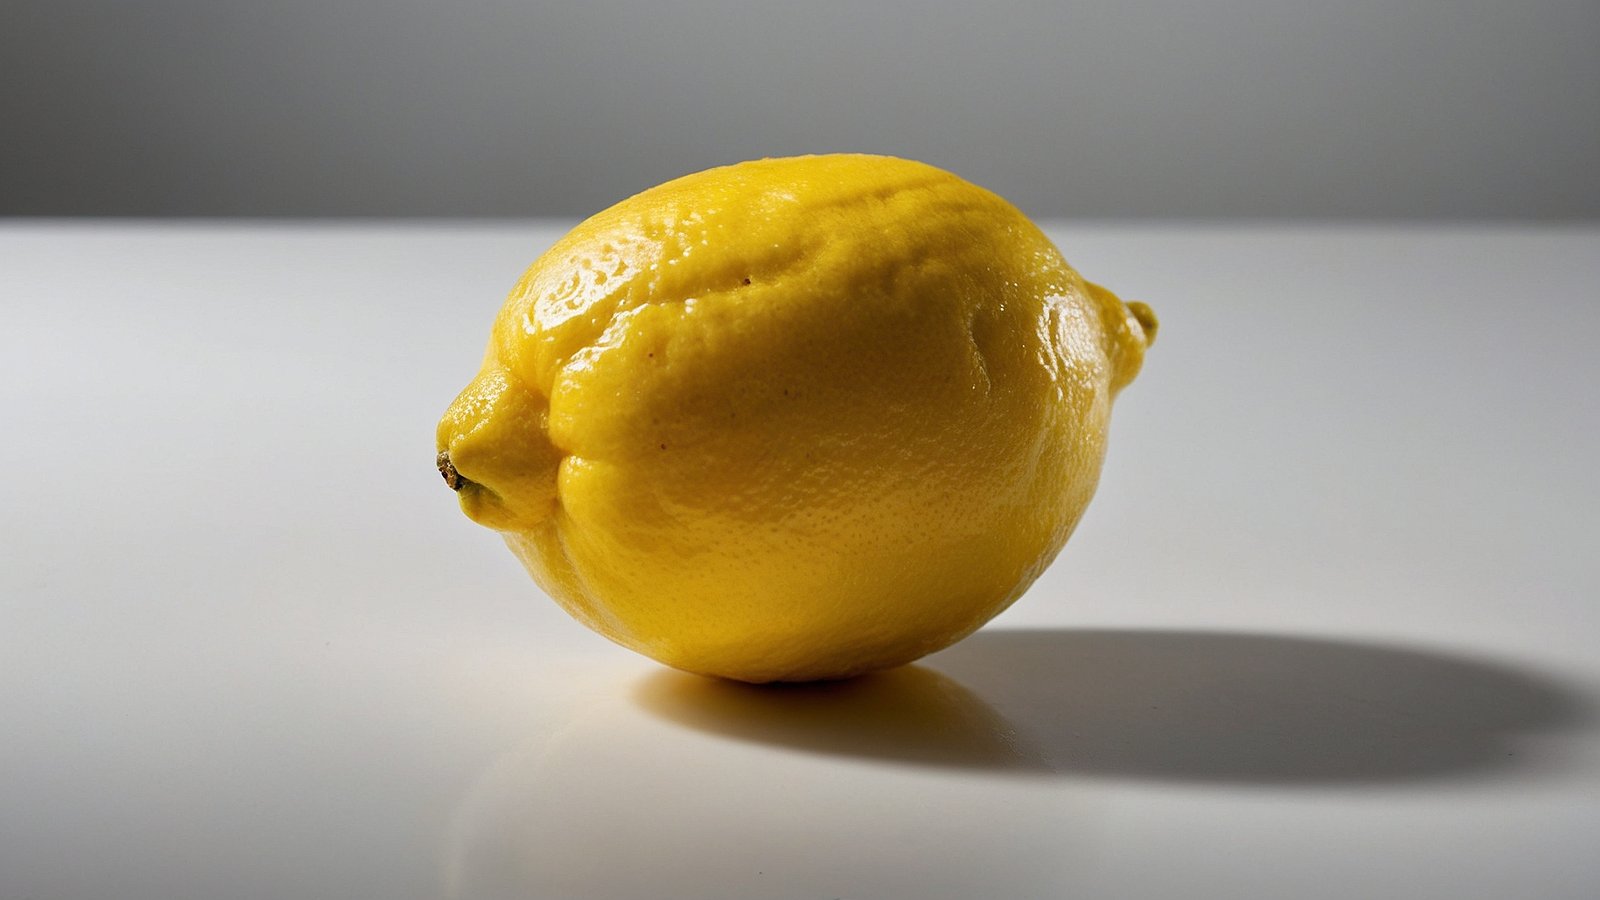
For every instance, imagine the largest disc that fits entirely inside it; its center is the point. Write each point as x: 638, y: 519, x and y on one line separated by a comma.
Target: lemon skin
x: 793, y: 419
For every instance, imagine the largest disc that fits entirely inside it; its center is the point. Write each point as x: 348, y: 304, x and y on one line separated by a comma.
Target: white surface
x: 1327, y: 631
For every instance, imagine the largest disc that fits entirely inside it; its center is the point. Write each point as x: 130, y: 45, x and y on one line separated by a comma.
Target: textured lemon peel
x: 730, y: 567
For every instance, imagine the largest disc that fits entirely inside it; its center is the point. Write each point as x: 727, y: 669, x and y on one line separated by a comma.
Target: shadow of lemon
x: 912, y: 715
x: 1161, y: 705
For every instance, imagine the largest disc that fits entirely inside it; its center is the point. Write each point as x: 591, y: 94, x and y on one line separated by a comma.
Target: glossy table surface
x: 1328, y: 629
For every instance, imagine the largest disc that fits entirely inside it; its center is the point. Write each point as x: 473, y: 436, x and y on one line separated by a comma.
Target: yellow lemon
x: 793, y: 419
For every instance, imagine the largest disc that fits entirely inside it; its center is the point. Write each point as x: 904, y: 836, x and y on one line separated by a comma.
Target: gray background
x: 1252, y: 108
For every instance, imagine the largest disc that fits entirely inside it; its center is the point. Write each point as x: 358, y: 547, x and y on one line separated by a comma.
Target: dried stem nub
x: 448, y: 470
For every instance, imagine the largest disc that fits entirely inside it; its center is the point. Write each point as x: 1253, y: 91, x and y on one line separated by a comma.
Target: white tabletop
x: 1328, y: 630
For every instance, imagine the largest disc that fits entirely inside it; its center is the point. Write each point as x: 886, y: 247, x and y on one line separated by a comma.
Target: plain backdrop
x: 1162, y: 108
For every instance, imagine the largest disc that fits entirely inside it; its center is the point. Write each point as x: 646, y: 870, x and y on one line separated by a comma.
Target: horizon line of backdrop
x: 1412, y: 109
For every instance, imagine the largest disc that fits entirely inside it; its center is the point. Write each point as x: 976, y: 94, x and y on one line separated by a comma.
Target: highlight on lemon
x: 793, y: 419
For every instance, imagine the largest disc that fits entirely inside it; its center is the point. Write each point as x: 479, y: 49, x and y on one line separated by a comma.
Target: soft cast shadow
x: 1159, y: 705
x: 911, y: 714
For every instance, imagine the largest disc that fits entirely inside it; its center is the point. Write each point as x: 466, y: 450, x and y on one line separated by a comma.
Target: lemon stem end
x: 452, y: 478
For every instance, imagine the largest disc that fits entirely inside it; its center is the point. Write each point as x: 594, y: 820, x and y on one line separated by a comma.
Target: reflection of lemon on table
x: 793, y: 419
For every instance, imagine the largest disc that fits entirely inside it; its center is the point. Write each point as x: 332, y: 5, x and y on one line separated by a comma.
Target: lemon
x: 793, y: 419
